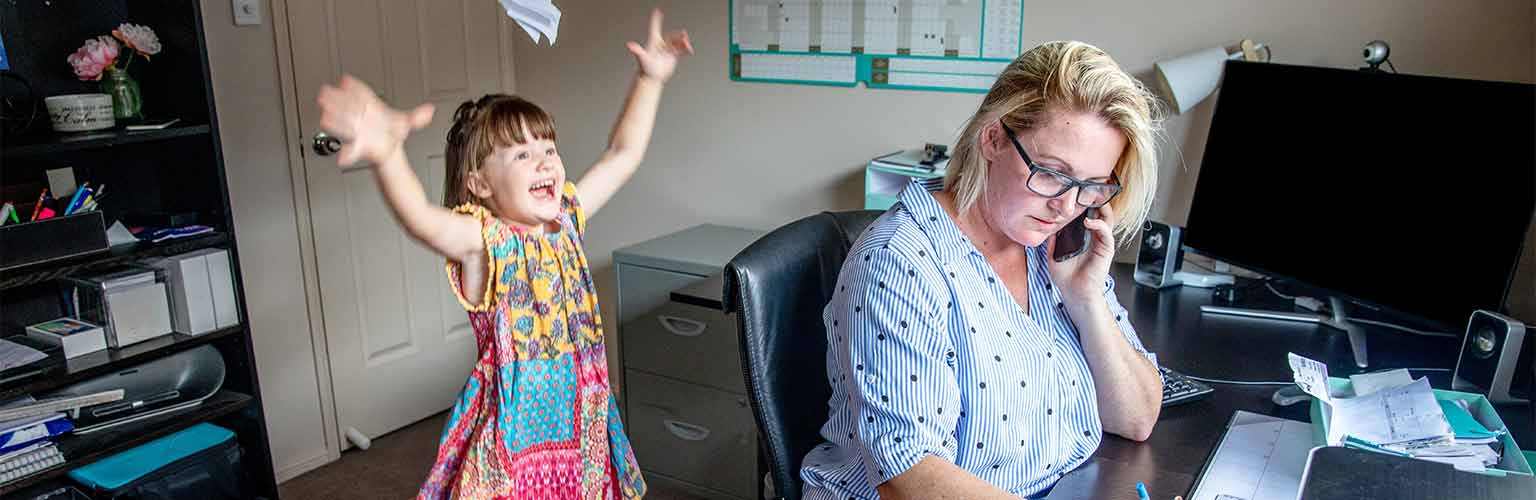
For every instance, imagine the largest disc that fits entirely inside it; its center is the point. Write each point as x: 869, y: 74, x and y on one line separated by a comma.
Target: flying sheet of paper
x: 537, y: 17
x: 1367, y: 383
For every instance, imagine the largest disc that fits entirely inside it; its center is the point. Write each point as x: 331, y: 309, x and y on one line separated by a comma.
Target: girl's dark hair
x: 479, y: 127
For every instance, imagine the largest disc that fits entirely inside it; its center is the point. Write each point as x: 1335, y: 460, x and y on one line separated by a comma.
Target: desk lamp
x: 1188, y: 79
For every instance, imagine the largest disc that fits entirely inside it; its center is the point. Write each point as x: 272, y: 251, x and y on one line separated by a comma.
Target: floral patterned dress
x: 536, y: 418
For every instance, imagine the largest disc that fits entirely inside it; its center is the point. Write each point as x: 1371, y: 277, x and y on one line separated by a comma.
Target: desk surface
x: 1169, y: 323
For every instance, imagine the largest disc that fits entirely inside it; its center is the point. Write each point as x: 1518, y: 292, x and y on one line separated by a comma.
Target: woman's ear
x: 477, y: 185
x: 992, y: 140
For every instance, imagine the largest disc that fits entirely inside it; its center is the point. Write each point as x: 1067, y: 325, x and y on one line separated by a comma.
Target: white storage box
x: 202, y: 290
x: 130, y: 304
x: 74, y: 336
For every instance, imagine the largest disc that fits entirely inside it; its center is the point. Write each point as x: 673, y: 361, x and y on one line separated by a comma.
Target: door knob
x: 325, y: 145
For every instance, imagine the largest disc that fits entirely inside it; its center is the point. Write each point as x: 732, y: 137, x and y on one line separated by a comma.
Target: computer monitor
x: 1411, y: 194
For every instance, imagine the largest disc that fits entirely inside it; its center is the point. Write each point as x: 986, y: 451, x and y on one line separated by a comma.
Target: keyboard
x: 1179, y: 389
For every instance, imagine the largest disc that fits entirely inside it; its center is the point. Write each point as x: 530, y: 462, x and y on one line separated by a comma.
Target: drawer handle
x: 686, y: 431
x: 682, y: 327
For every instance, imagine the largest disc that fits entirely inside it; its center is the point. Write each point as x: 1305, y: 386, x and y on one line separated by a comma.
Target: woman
x: 966, y: 363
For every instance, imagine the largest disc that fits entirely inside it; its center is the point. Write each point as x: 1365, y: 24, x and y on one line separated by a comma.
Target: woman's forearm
x: 934, y: 478
x: 1128, y: 386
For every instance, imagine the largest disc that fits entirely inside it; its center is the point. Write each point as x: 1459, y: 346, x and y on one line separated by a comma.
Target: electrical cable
x: 1261, y: 382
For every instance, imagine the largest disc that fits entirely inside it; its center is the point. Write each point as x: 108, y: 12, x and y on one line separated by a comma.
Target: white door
x: 399, y: 346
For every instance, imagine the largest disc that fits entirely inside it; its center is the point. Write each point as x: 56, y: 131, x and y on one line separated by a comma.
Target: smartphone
x: 1073, y: 239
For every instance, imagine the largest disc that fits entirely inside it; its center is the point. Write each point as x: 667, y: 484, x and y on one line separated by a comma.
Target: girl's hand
x: 658, y: 58
x: 369, y: 129
x: 1082, y: 277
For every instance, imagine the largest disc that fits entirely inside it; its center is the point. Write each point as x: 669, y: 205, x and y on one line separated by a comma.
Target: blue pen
x: 1141, y: 492
x: 70, y: 207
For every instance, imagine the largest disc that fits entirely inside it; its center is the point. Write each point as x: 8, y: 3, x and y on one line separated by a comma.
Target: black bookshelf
x: 178, y: 169
x: 129, y: 253
x: 80, y: 449
x: 55, y: 373
x: 43, y: 144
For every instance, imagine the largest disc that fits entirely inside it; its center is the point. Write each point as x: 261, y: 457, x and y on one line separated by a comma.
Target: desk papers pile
x: 1391, y: 412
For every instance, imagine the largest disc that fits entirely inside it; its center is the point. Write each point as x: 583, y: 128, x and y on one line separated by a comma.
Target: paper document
x: 1387, y: 415
x: 1311, y: 376
x: 1367, y: 383
x: 13, y: 355
x: 119, y: 235
x: 537, y: 17
x: 1466, y: 463
x: 1260, y: 458
x: 1390, y: 416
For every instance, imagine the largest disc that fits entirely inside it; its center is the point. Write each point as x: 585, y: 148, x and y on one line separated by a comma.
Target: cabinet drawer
x: 693, y: 433
x: 686, y: 342
x: 642, y: 289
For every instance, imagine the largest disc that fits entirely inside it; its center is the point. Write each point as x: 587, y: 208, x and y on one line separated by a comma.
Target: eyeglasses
x: 1050, y: 183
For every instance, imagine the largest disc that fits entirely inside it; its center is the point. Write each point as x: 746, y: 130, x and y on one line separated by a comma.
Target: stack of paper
x: 13, y: 355
x: 25, y: 431
x: 537, y: 17
x: 1390, y: 412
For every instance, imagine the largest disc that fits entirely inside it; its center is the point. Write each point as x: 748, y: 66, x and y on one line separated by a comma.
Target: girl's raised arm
x: 375, y: 133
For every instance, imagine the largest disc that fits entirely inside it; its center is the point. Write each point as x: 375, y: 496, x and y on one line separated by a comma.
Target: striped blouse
x: 929, y: 354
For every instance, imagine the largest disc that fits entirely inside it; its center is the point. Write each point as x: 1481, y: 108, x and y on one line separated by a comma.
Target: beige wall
x: 250, y: 103
x: 759, y: 155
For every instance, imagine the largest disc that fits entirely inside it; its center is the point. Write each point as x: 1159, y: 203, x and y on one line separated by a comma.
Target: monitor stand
x: 1338, y: 320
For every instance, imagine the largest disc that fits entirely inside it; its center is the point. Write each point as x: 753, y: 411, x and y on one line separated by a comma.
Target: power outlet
x: 247, y: 12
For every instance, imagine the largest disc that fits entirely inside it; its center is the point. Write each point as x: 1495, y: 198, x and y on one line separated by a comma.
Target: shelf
x: 120, y: 254
x: 83, y: 367
x: 82, y: 449
x: 44, y: 144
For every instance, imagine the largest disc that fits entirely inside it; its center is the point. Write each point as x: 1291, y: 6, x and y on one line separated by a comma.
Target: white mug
x: 80, y: 112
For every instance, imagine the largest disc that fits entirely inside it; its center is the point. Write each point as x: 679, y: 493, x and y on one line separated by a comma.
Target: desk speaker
x: 1489, y: 355
x: 1160, y: 256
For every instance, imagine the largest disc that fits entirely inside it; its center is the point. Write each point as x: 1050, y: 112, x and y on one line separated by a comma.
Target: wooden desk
x: 1170, y: 324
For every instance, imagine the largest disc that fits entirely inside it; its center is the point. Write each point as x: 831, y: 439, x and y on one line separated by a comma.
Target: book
x: 75, y: 336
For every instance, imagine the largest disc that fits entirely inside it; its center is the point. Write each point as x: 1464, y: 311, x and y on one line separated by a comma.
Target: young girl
x: 536, y: 418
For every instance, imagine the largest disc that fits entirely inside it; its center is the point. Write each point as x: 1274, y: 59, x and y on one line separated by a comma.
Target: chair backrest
x: 777, y: 288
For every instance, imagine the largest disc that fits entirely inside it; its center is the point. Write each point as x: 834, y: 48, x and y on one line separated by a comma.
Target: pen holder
x: 51, y: 239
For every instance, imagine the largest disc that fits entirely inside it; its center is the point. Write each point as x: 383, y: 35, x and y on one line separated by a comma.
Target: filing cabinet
x: 684, y: 397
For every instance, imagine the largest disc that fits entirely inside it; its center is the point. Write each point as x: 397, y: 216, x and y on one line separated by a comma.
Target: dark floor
x: 393, y: 467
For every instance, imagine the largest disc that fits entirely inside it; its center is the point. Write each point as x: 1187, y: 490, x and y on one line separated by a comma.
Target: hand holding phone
x: 1074, y: 239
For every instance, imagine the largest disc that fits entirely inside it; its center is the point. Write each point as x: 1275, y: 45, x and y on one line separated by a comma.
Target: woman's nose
x: 1063, y: 203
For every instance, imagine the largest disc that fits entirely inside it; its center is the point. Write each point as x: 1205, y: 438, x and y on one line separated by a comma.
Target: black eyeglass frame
x: 1068, y: 182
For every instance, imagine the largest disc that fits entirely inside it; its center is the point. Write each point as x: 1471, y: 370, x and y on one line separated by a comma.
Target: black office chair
x: 777, y: 288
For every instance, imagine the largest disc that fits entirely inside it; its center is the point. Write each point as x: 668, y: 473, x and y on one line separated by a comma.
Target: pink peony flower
x: 91, y: 59
x: 139, y: 38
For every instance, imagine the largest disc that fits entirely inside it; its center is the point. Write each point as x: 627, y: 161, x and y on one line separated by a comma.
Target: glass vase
x: 127, y: 104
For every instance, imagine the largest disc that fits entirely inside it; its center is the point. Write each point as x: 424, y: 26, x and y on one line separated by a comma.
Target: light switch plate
x: 247, y: 12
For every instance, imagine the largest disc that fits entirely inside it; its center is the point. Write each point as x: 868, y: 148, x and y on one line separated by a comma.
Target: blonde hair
x: 1067, y: 76
x: 479, y: 127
